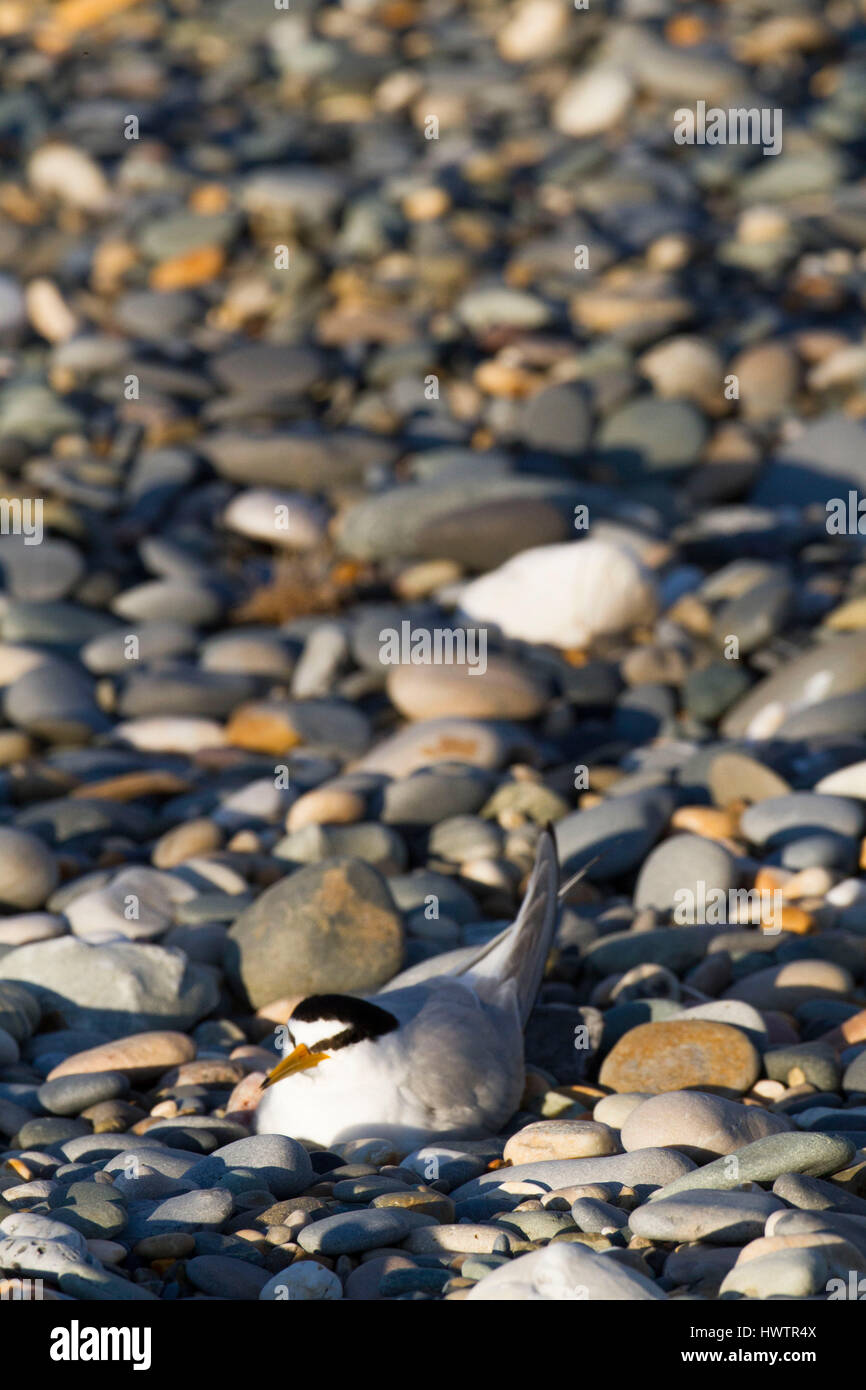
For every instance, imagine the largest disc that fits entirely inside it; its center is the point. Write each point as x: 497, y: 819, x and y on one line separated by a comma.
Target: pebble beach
x: 424, y: 422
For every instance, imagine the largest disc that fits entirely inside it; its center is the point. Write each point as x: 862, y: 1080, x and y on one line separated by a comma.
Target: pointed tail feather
x: 520, y: 952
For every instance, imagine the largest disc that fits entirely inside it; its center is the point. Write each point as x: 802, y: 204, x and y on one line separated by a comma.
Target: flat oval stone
x: 620, y: 830
x: 644, y: 1170
x: 494, y: 689
x: 735, y: 776
x: 560, y: 1139
x: 777, y: 820
x: 72, y: 1094
x: 222, y: 1277
x: 350, y: 1232
x: 118, y: 988
x: 766, y: 1159
x: 836, y: 667
x: 140, y: 1057
x: 673, y: 1055
x: 725, y: 1218
x: 432, y: 741
x: 457, y: 1238
x: 188, y: 1211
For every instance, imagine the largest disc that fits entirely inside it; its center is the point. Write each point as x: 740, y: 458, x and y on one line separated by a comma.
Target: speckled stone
x: 674, y: 1055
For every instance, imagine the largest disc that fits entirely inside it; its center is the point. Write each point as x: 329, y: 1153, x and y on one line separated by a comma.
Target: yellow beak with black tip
x: 299, y: 1059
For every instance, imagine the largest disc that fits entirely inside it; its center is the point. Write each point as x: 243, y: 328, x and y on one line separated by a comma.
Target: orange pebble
x: 195, y: 267
x: 685, y: 30
x: 708, y: 821
x: 796, y: 920
x: 766, y: 881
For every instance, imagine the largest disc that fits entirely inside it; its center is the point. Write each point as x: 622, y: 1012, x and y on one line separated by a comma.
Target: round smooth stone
x: 620, y: 831
x: 558, y: 419
x: 107, y: 655
x: 679, y: 870
x: 55, y: 702
x: 43, y: 1132
x: 496, y: 689
x: 94, y: 1209
x: 847, y: 781
x: 28, y: 869
x: 161, y: 600
x: 560, y: 1139
x: 790, y: 1273
x: 462, y: 839
x: 187, y: 1211
x: 603, y: 590
x: 653, y: 435
x: 72, y: 1094
x: 136, y: 905
x: 278, y: 726
x: 824, y: 850
x: 481, y: 309
x: 280, y: 1164
x: 328, y: 928
x: 350, y: 1232
x: 674, y: 1055
x: 700, y: 1126
x: 613, y: 1111
x: 594, y: 1216
x: 594, y: 102
x: 475, y: 743
x: 778, y: 820
x: 327, y: 805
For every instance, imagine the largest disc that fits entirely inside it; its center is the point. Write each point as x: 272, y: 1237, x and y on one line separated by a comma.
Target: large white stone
x: 594, y: 102
x: 564, y: 595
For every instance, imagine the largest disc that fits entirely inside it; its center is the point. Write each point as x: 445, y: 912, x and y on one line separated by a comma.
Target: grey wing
x: 464, y: 1057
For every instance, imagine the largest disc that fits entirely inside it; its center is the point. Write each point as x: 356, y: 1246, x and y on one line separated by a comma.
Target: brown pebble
x: 184, y: 841
x: 141, y: 1056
